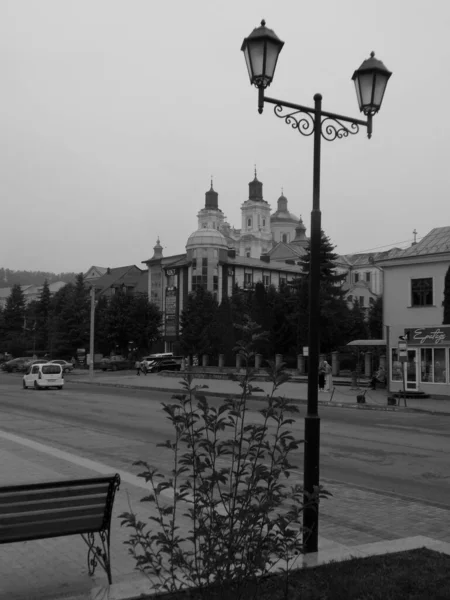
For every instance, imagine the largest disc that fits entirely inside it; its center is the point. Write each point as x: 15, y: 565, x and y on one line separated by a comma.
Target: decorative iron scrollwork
x: 332, y: 129
x: 98, y: 554
x: 301, y: 120
x: 305, y: 122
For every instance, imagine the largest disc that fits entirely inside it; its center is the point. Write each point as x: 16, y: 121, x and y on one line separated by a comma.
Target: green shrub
x: 229, y: 478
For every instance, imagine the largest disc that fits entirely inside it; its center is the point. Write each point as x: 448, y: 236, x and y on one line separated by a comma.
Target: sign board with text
x: 429, y: 336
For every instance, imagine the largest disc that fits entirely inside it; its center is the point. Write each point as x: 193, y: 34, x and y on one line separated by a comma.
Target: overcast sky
x: 115, y: 114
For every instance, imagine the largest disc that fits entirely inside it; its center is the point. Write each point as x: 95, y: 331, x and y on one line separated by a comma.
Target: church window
x: 249, y: 223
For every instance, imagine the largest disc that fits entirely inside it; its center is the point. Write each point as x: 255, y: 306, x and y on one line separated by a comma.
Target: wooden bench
x: 59, y: 508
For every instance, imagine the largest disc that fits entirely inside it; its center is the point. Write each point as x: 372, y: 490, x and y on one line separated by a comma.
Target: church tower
x: 283, y: 223
x: 256, y: 236
x: 211, y: 216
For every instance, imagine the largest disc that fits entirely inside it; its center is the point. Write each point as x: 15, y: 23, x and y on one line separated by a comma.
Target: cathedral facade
x: 218, y: 257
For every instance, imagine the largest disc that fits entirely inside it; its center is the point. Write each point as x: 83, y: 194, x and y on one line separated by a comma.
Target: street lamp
x: 262, y: 48
x: 91, y: 336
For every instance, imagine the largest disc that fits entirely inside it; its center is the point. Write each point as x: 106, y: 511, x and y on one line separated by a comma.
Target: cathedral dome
x: 282, y: 215
x: 206, y: 237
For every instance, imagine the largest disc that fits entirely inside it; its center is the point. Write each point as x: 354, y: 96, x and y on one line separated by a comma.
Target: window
x: 433, y: 365
x: 215, y: 283
x: 349, y: 298
x: 368, y: 274
x: 266, y: 280
x: 371, y: 301
x: 249, y: 223
x: 204, y: 262
x: 284, y: 238
x: 361, y: 301
x: 247, y: 254
x: 356, y: 277
x: 422, y: 292
x: 396, y: 366
x: 264, y: 222
x: 283, y: 280
x: 248, y: 279
x: 194, y: 263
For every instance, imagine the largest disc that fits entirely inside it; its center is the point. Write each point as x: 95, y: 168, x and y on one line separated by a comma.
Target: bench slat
x: 25, y: 531
x: 50, y: 515
x: 49, y: 493
x: 26, y: 505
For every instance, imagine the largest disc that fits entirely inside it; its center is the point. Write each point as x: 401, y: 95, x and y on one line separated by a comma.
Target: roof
x: 435, y: 242
x: 273, y: 265
x: 366, y: 259
x: 206, y: 236
x: 112, y: 275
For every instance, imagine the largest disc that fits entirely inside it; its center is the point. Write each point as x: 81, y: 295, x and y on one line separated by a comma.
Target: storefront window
x: 433, y: 365
x: 426, y: 364
x: 396, y: 366
x: 440, y: 371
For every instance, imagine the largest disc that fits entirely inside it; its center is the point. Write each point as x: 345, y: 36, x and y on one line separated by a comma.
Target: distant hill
x: 9, y: 277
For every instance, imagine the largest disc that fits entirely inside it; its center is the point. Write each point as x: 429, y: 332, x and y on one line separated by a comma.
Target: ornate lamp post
x: 261, y: 49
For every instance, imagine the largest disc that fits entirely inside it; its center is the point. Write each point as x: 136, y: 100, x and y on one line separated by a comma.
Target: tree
x: 333, y: 306
x: 357, y: 326
x: 446, y: 301
x: 375, y: 320
x: 131, y: 318
x: 199, y: 324
x: 14, y: 322
x: 42, y: 314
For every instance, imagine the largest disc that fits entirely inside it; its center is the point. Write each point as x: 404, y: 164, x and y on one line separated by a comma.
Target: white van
x: 45, y: 375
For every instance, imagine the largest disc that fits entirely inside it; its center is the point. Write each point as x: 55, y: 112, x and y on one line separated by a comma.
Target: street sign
x: 402, y: 346
x: 305, y: 351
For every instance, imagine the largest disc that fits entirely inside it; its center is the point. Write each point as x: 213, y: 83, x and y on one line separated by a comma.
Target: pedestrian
x: 137, y: 366
x: 321, y: 377
x: 144, y: 368
x: 379, y: 376
x: 328, y: 377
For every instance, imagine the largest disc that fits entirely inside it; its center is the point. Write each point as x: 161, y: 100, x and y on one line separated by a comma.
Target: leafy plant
x: 229, y: 479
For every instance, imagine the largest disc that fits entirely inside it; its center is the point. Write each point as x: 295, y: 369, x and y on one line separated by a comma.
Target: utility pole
x: 91, y: 342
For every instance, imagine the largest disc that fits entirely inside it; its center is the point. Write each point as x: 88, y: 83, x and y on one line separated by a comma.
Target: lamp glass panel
x: 365, y: 88
x: 249, y: 64
x: 358, y: 93
x: 256, y: 50
x: 380, y: 87
x: 271, y: 59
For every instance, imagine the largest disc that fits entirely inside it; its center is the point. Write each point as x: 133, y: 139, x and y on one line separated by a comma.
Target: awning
x: 367, y: 343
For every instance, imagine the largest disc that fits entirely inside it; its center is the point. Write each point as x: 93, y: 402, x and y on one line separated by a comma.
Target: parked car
x: 116, y: 363
x: 167, y: 364
x: 67, y: 367
x: 43, y: 375
x: 152, y: 359
x: 15, y: 364
x: 32, y: 361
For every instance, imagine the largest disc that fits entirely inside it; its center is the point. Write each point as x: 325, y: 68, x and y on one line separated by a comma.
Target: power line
x: 385, y: 246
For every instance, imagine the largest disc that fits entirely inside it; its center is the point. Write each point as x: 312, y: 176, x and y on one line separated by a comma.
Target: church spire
x: 212, y: 198
x: 255, y: 189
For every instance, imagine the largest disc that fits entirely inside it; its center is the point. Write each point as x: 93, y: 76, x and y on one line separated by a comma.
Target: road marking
x: 76, y: 460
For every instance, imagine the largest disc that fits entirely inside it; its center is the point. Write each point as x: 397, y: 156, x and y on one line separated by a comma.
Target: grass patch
x: 410, y: 575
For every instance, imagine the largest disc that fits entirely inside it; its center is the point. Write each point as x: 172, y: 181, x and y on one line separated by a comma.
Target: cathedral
x: 218, y: 256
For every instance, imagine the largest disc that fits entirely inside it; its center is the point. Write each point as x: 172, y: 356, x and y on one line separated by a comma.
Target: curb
x: 296, y: 400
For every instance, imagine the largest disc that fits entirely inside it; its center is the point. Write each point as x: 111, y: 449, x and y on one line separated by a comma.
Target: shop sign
x: 428, y: 336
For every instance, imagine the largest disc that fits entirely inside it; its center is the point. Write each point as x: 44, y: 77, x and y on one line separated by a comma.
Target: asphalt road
x: 400, y: 453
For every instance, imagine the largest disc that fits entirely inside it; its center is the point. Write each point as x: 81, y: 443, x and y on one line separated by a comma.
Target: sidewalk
x: 353, y: 522
x: 342, y: 395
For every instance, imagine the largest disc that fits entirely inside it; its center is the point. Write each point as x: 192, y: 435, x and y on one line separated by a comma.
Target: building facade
x: 412, y: 309
x: 219, y: 257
